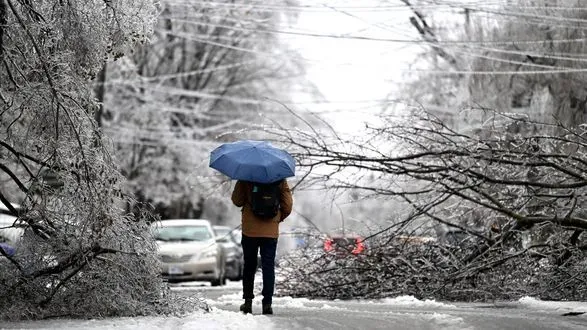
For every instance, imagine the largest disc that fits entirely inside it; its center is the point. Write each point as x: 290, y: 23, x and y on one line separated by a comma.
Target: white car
x: 10, y: 231
x: 229, y: 238
x: 189, y: 252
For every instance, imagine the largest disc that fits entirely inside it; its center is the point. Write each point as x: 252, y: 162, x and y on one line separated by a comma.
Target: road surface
x: 398, y: 313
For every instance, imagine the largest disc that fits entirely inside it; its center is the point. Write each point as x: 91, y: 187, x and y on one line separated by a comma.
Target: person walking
x: 264, y: 207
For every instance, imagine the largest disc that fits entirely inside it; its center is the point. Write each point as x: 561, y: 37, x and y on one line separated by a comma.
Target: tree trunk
x: 100, y: 90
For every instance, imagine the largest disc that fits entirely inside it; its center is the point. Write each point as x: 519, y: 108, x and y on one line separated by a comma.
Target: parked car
x: 238, y: 236
x: 10, y: 230
x: 189, y: 252
x: 7, y: 249
x: 344, y: 244
x: 229, y: 239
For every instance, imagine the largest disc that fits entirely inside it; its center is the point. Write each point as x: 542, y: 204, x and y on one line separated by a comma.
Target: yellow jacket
x: 252, y: 226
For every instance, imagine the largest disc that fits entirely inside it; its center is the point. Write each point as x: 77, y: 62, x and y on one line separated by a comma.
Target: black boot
x: 267, y: 309
x: 247, y: 307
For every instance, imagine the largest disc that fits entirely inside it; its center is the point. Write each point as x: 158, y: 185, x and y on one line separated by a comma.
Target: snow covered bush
x: 80, y: 255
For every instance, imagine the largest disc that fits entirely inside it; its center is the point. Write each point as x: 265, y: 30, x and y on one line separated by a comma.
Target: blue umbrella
x: 256, y: 161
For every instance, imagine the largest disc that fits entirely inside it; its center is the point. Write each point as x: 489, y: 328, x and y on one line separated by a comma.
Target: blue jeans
x: 251, y: 246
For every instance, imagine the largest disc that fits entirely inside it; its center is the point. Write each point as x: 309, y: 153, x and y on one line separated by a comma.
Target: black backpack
x: 265, y: 199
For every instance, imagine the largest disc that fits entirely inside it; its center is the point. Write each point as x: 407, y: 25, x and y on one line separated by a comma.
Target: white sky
x: 355, y: 74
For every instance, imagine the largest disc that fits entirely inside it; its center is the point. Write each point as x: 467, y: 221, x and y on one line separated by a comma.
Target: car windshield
x: 222, y: 232
x: 228, y: 233
x: 182, y: 233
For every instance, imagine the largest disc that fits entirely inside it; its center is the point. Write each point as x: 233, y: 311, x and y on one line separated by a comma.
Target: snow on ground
x: 561, y: 306
x: 204, y: 286
x: 409, y: 301
x: 351, y: 314
x: 217, y: 319
x: 283, y: 302
x: 446, y: 321
x: 402, y: 301
x: 236, y: 299
x: 404, y: 312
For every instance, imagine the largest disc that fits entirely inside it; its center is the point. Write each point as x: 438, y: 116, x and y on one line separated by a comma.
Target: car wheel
x: 223, y: 275
x: 235, y: 271
x: 230, y: 272
x: 218, y: 280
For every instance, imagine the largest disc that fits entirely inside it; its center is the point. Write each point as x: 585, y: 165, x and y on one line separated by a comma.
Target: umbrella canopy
x: 256, y: 161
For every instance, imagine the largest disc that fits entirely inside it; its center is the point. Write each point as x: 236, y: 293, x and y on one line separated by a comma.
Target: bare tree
x: 522, y: 56
x: 496, y: 185
x: 206, y: 76
x: 79, y: 254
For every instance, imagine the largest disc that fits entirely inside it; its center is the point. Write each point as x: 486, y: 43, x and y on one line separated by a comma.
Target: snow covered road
x: 300, y: 313
x: 398, y: 313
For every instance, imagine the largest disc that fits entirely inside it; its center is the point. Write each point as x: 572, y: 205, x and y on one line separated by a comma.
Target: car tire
x: 231, y: 272
x: 216, y: 282
x: 236, y: 271
x: 223, y: 280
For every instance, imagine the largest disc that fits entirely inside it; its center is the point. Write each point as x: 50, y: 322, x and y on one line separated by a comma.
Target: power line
x: 501, y: 73
x: 392, y: 40
x: 315, y: 8
x: 202, y: 95
x: 532, y: 53
x: 504, y: 4
x: 514, y: 14
x: 508, y: 61
x: 166, y: 133
x: 289, y: 55
x: 163, y: 142
x: 143, y: 79
x: 480, y: 5
x: 433, y: 44
x: 519, y: 14
x: 424, y: 42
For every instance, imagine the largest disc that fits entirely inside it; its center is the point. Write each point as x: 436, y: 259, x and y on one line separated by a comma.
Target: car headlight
x: 208, y: 254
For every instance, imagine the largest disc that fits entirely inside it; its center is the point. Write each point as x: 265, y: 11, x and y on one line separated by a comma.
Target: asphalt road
x: 395, y: 314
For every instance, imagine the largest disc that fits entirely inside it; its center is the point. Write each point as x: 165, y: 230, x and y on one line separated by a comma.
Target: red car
x: 344, y: 244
